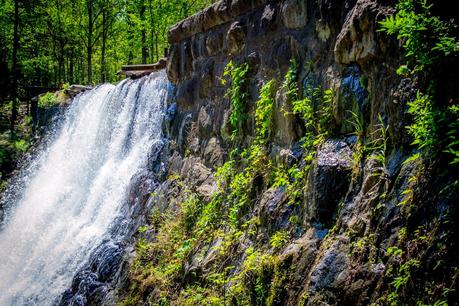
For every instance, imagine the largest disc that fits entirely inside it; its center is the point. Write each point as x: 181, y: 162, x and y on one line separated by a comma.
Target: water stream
x: 72, y: 193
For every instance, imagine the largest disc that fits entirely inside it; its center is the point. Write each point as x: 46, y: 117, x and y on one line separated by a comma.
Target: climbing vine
x: 238, y: 95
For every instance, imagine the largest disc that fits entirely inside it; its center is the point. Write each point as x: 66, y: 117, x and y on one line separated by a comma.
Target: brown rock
x: 357, y: 41
x: 294, y: 13
x: 236, y: 38
x: 213, y: 153
x: 214, y: 43
x: 217, y: 14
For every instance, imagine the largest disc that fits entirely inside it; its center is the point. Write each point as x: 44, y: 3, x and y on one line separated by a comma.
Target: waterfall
x: 73, y: 193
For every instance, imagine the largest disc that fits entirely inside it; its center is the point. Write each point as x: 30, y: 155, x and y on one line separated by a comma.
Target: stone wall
x: 347, y: 217
x: 336, y: 43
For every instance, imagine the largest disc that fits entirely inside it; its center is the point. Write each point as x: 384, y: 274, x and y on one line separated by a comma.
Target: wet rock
x: 328, y: 180
x: 198, y: 46
x: 186, y: 59
x: 273, y: 209
x: 171, y: 112
x: 183, y: 130
x: 74, y: 90
x: 89, y: 284
x: 186, y: 92
x: 217, y: 14
x: 207, y: 79
x: 110, y: 259
x: 352, y: 99
x: 301, y: 254
x: 205, y: 120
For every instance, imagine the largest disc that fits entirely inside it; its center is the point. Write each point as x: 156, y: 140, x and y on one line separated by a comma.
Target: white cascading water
x: 66, y: 205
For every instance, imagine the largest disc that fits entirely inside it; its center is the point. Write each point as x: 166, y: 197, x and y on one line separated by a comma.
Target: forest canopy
x: 49, y: 42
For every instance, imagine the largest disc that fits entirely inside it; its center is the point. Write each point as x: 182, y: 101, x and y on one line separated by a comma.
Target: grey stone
x: 294, y: 13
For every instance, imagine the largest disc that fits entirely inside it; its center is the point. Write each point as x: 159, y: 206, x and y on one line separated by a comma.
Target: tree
x: 14, y: 90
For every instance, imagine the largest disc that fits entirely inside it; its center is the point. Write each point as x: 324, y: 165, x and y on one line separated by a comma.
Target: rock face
x: 358, y: 40
x: 329, y: 180
x: 347, y: 212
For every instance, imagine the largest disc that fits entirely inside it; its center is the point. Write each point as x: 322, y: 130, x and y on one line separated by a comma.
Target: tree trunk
x: 71, y: 68
x: 143, y: 33
x: 14, y: 89
x: 103, y: 75
x: 90, y: 7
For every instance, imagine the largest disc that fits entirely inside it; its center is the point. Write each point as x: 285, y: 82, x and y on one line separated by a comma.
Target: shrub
x: 425, y: 38
x: 46, y: 100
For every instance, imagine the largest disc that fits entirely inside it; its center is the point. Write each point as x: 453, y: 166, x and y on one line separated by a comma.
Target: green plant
x: 238, y: 95
x: 46, y: 100
x: 279, y: 239
x: 191, y: 209
x: 325, y: 112
x: 359, y: 147
x: 377, y: 148
x: 280, y: 176
x: 453, y: 133
x: 291, y: 81
x: 425, y: 37
x: 264, y: 113
x: 21, y: 145
x: 424, y: 126
x: 404, y: 274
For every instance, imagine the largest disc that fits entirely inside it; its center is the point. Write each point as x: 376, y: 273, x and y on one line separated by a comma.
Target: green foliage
x: 453, y: 133
x: 378, y: 147
x: 427, y: 41
x: 264, y: 113
x: 54, y: 36
x: 325, y: 112
x: 359, y: 148
x: 47, y: 100
x: 21, y: 145
x: 279, y: 239
x: 191, y: 209
x: 425, y: 38
x: 424, y: 126
x: 238, y: 95
x: 291, y: 81
x: 314, y: 106
x: 280, y: 177
x: 258, y: 280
